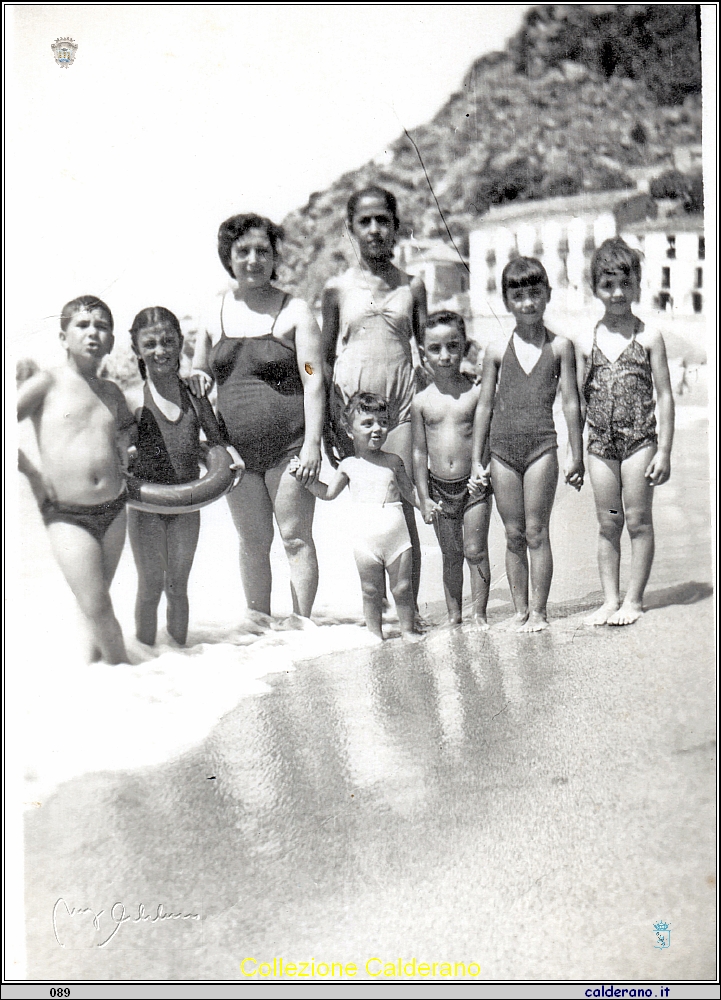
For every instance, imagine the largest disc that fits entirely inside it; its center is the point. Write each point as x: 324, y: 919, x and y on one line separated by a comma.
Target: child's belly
x: 449, y: 452
x: 82, y: 472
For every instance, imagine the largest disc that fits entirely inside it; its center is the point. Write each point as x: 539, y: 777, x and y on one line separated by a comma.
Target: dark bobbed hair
x: 146, y: 320
x: 523, y: 272
x: 613, y: 255
x: 238, y: 225
x: 374, y: 191
x: 445, y: 317
x: 83, y: 303
x: 364, y: 402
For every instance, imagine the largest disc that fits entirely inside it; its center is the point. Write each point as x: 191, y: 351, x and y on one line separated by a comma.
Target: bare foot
x: 602, y: 615
x: 420, y: 624
x: 514, y: 623
x: 255, y: 623
x: 536, y: 623
x: 627, y: 614
x: 480, y: 623
x: 294, y: 623
x: 411, y: 637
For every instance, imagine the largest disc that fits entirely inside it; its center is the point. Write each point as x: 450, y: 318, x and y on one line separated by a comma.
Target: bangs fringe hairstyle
x: 523, y: 272
x: 615, y: 255
x: 84, y: 303
x: 146, y: 320
x: 238, y: 225
x: 364, y: 402
x: 387, y: 197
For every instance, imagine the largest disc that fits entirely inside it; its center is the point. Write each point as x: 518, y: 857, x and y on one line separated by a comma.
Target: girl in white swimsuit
x: 377, y: 480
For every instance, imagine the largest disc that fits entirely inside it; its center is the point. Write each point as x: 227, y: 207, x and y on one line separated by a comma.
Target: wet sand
x: 530, y: 803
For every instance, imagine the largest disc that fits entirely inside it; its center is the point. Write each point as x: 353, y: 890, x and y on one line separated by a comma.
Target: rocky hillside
x: 581, y: 95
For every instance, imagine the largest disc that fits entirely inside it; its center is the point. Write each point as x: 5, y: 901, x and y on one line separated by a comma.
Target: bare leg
x: 476, y: 523
x: 182, y: 538
x: 252, y: 513
x: 399, y: 577
x: 148, y: 542
x: 400, y: 442
x: 294, y: 507
x: 606, y: 481
x: 85, y: 567
x: 637, y: 502
x: 449, y: 532
x: 539, y: 491
x: 372, y: 580
x: 508, y: 489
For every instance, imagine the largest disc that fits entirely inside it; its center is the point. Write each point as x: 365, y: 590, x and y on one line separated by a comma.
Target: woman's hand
x: 199, y: 383
x: 480, y: 478
x: 308, y: 468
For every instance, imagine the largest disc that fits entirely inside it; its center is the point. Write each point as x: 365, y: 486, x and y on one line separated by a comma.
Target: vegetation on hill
x: 581, y: 95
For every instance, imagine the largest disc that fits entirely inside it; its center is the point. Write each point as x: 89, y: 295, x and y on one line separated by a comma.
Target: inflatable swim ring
x: 182, y: 498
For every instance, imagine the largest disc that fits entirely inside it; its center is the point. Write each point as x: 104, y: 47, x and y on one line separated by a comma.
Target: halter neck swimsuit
x: 374, y: 348
x: 260, y: 396
x: 522, y: 427
x: 621, y: 409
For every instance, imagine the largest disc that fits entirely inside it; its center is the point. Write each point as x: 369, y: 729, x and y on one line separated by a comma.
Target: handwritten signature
x: 116, y: 916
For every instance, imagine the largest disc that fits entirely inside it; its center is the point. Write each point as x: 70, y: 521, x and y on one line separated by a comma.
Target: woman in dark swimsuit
x: 263, y: 349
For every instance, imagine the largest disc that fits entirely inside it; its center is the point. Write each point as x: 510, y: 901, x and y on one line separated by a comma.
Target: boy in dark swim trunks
x: 442, y: 421
x: 517, y: 421
x: 83, y: 428
x: 619, y: 366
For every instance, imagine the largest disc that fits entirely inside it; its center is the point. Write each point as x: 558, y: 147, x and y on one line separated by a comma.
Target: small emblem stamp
x: 663, y: 934
x: 64, y: 50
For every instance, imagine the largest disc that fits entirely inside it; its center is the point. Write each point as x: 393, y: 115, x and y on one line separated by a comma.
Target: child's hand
x: 574, y: 473
x: 237, y: 465
x: 480, y: 479
x: 293, y: 465
x: 659, y: 469
x: 430, y: 509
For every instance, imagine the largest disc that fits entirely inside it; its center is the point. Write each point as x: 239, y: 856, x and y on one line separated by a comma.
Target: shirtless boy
x: 83, y: 428
x: 442, y: 420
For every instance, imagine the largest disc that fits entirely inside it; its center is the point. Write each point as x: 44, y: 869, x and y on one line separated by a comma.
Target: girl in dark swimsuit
x: 519, y: 416
x: 263, y: 350
x: 168, y: 449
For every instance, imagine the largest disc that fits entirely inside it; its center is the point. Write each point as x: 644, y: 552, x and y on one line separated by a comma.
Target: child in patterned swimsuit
x: 442, y: 418
x: 377, y: 481
x: 618, y: 368
x: 517, y: 420
x: 83, y: 428
x: 169, y: 425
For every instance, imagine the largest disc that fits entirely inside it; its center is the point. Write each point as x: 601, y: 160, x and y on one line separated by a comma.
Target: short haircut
x: 445, y: 317
x: 364, y: 402
x: 614, y: 255
x: 84, y: 303
x: 374, y: 192
x: 523, y: 272
x: 238, y: 225
x: 147, y: 319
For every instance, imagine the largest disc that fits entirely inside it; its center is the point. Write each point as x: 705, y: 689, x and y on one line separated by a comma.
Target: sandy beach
x: 442, y: 800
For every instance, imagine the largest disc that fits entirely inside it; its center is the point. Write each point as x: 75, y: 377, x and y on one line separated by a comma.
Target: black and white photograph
x: 267, y: 722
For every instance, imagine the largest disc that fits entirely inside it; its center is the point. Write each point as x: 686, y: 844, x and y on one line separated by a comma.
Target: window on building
x: 665, y: 277
x: 664, y: 301
x: 702, y: 248
x: 697, y: 302
x: 671, y: 248
x: 699, y: 277
x: 491, y: 284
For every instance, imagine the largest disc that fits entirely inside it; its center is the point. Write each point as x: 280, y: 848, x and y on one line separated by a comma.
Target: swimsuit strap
x: 286, y: 296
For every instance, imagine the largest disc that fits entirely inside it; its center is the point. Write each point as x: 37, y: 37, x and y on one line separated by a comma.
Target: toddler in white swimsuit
x: 377, y: 481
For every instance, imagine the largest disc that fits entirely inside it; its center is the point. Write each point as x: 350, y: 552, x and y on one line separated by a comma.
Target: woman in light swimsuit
x: 371, y: 313
x: 377, y: 481
x: 263, y: 349
x: 618, y: 369
x: 168, y: 450
x: 520, y: 381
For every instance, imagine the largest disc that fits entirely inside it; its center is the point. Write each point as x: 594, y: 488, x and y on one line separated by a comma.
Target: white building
x: 563, y: 233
